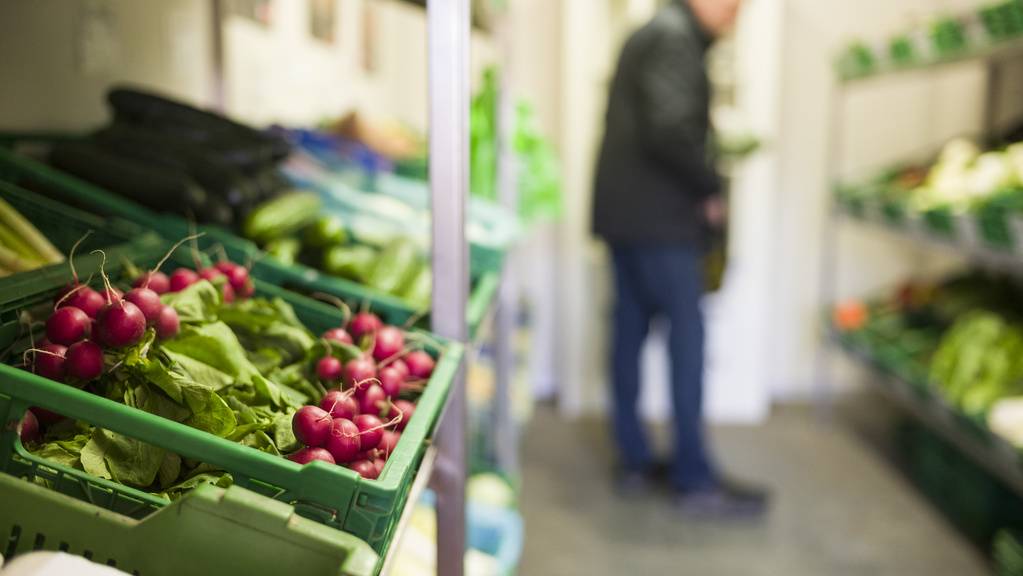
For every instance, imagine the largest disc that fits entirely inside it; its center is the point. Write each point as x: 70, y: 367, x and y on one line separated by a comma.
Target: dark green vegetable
x: 282, y: 216
x: 353, y: 262
x: 326, y: 231
x: 417, y: 291
x: 397, y: 265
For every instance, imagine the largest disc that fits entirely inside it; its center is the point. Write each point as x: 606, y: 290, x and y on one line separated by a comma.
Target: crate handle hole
x: 12, y: 541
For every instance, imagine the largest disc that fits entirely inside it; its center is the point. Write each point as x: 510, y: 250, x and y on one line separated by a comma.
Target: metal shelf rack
x: 990, y: 452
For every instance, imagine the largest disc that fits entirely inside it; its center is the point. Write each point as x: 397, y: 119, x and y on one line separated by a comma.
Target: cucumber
x: 352, y: 262
x: 281, y: 216
x: 397, y: 266
x: 158, y: 187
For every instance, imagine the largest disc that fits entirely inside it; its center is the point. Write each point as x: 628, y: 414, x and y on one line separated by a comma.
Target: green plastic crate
x: 329, y: 494
x: 53, y: 183
x: 64, y: 226
x: 209, y: 531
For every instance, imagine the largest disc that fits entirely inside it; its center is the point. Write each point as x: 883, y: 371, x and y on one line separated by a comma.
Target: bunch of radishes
x: 86, y: 321
x: 235, y: 278
x: 349, y: 427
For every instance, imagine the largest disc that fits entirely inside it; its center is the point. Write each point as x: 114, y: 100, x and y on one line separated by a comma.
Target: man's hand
x: 715, y: 210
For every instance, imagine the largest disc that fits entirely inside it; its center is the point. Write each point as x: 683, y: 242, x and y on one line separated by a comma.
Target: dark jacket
x: 654, y: 171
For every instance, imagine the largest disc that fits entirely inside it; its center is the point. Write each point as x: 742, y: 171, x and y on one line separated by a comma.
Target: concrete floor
x: 838, y: 510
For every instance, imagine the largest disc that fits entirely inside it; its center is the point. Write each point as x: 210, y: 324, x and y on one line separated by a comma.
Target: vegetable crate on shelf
x: 63, y: 226
x: 68, y: 189
x: 209, y: 531
x: 330, y: 494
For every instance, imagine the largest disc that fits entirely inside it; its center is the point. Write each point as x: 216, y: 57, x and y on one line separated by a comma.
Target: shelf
x: 988, y: 450
x: 418, y: 485
x: 964, y: 238
x: 1004, y: 50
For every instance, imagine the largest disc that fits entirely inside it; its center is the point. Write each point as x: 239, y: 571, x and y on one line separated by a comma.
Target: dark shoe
x: 723, y: 501
x: 631, y: 483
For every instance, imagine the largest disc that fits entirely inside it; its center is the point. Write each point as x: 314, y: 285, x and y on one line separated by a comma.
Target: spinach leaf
x: 200, y: 372
x: 65, y: 452
x: 284, y: 437
x: 210, y: 412
x: 122, y: 459
x: 216, y: 345
x: 169, y: 471
x: 220, y: 479
x: 196, y: 304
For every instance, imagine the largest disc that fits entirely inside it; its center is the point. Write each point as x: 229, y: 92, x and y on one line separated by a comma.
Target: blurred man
x: 657, y: 197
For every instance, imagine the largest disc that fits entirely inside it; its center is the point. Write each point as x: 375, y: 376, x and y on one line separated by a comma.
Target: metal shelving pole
x: 448, y: 33
x: 505, y: 433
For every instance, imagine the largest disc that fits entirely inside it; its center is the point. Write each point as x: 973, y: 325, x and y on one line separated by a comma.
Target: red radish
x: 343, y: 440
x: 50, y: 361
x: 85, y: 360
x: 45, y: 416
x: 148, y: 301
x: 364, y: 468
x: 420, y: 364
x: 182, y: 278
x: 371, y: 399
x: 225, y: 266
x: 389, y: 342
x: 389, y: 441
x: 167, y: 323
x: 378, y: 465
x: 371, y: 430
x: 67, y: 325
x: 307, y: 455
x: 329, y: 369
x: 406, y: 409
x: 156, y: 281
x: 237, y: 276
x: 339, y: 404
x: 364, y: 323
x: 210, y: 274
x: 311, y: 425
x: 399, y: 365
x: 391, y: 380
x: 359, y: 371
x: 87, y: 300
x: 227, y: 292
x: 247, y: 289
x: 28, y: 428
x: 120, y: 324
x: 339, y: 335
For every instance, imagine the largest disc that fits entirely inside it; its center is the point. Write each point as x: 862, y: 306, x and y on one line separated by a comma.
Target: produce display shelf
x: 964, y: 238
x: 975, y: 441
x: 331, y: 495
x: 419, y: 485
x: 993, y: 51
x: 58, y: 186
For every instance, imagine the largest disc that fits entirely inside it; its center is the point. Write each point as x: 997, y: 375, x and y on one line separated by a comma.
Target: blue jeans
x: 667, y: 281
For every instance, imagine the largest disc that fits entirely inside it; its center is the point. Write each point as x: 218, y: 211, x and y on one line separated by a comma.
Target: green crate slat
x: 209, y: 531
x: 71, y: 190
x: 332, y: 495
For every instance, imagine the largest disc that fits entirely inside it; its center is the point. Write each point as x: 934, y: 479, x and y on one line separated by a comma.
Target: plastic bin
x: 70, y: 190
x: 63, y: 226
x: 209, y: 531
x: 332, y: 495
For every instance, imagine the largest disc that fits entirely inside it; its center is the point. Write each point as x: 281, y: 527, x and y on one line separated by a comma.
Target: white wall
x: 274, y: 74
x: 58, y: 57
x: 282, y: 74
x: 885, y: 120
